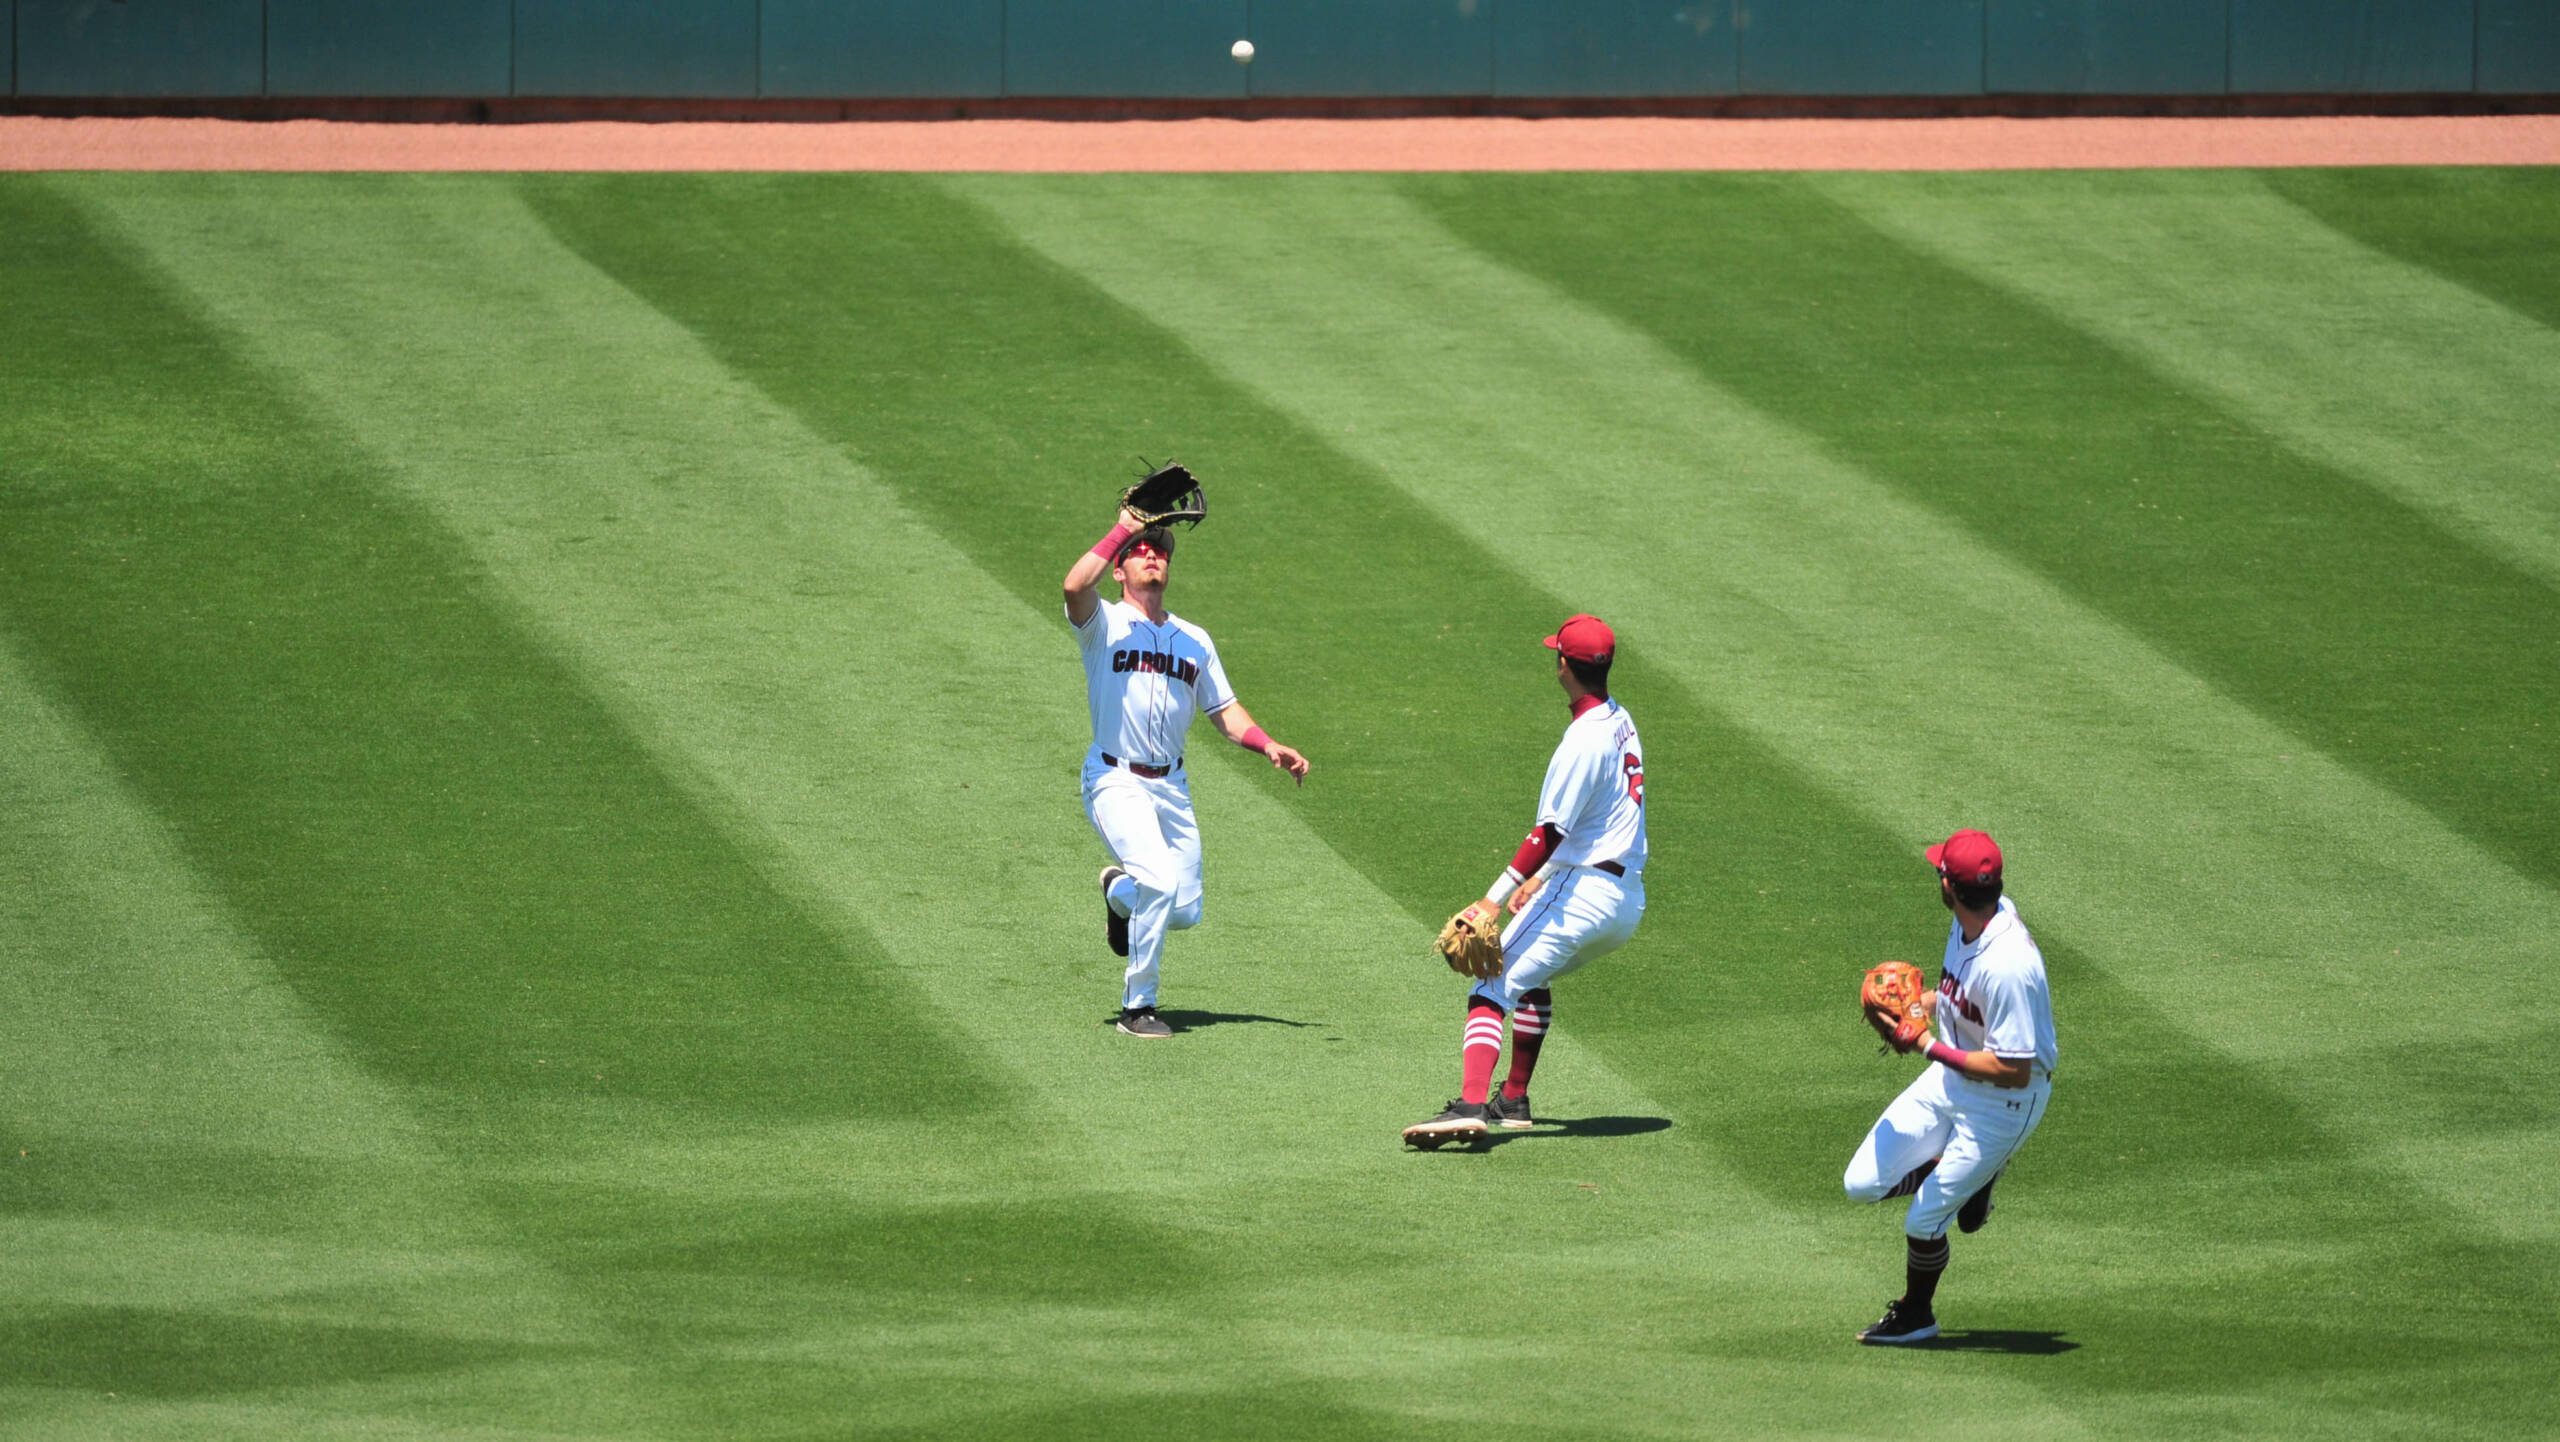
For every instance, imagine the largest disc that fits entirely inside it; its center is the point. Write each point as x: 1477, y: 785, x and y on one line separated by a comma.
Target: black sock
x: 1912, y: 1179
x: 1921, y: 1271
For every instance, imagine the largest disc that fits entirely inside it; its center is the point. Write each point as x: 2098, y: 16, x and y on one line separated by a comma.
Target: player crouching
x: 1945, y: 1140
x: 1575, y: 891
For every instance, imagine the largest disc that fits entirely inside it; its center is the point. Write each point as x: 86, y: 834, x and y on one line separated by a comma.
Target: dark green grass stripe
x: 2493, y: 229
x: 497, y: 898
x: 1005, y: 400
x: 1000, y: 397
x: 2343, y: 615
x: 452, y: 851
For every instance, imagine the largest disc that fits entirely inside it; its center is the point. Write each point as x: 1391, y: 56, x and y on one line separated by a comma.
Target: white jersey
x: 1992, y: 994
x: 1594, y: 792
x: 1145, y: 681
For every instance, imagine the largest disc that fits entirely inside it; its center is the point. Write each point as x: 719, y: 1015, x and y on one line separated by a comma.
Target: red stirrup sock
x: 1528, y: 1031
x: 1482, y: 1049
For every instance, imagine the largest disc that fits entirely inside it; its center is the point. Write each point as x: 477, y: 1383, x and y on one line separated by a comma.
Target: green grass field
x: 542, y: 889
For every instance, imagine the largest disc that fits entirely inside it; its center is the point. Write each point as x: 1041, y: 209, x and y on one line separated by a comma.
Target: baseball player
x: 1147, y: 672
x: 1575, y: 888
x: 1990, y: 1046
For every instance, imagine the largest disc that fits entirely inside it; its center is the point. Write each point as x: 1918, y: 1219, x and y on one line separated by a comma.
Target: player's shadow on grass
x: 1182, y: 1021
x: 1553, y: 1127
x: 2016, y: 1344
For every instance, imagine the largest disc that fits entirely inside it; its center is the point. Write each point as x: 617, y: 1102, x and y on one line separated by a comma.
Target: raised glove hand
x: 1892, y: 996
x: 1169, y: 493
x: 1472, y: 941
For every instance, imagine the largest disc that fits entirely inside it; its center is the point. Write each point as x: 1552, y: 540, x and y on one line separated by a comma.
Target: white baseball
x: 1242, y: 50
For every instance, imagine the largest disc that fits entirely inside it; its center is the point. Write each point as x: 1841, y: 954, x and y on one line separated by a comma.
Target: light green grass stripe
x: 142, y: 1030
x: 2169, y: 833
x: 2420, y: 387
x: 131, y: 1001
x: 830, y: 671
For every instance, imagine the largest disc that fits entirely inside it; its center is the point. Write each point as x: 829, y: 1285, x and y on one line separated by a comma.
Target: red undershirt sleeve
x: 1533, y: 853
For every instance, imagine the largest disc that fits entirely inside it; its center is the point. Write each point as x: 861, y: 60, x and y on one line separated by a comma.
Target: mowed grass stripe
x: 201, y: 1194
x: 983, y: 385
x: 1799, y: 594
x: 901, y: 321
x: 221, y: 1198
x: 1803, y: 599
x: 2344, y: 617
x: 2485, y: 227
x: 742, y: 523
x: 814, y: 1245
x: 959, y: 336
x: 2426, y: 390
x: 402, y: 768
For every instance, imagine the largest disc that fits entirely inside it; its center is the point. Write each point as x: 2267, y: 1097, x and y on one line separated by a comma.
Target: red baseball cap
x: 1584, y: 638
x: 1967, y: 856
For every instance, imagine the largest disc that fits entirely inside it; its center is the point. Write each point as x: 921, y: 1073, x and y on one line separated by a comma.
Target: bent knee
x: 1863, y: 1188
x: 1184, y: 915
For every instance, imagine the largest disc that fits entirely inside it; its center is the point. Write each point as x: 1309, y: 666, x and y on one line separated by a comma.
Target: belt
x: 1152, y: 773
x: 1614, y: 868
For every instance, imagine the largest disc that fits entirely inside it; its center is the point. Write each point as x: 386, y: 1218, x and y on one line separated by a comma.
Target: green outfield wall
x: 1177, y: 49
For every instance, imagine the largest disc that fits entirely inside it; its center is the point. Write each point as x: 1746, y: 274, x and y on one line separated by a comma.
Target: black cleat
x: 1462, y: 1120
x: 1977, y: 1208
x: 1902, y: 1323
x: 1115, y: 927
x: 1143, y: 1021
x: 1508, y: 1112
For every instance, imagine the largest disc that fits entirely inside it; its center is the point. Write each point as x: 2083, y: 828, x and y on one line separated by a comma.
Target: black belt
x: 1156, y: 773
x: 1612, y: 867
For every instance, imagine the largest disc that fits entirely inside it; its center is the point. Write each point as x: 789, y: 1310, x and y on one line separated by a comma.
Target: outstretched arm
x: 1093, y: 565
x: 1236, y: 724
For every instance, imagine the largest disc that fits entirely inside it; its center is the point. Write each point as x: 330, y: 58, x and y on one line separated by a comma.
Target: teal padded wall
x: 141, y: 47
x: 2519, y: 47
x: 1615, y: 47
x: 2105, y: 47
x: 673, y: 49
x: 930, y: 50
x: 906, y: 49
x: 2356, y: 47
x: 1862, y: 47
x: 388, y: 47
x: 1372, y: 47
x: 1140, y: 49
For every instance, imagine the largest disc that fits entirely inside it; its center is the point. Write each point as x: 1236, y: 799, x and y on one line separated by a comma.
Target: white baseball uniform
x: 1594, y: 894
x: 1991, y: 997
x: 1144, y: 681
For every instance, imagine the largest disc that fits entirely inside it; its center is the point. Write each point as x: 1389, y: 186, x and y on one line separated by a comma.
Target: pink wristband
x: 1108, y: 548
x: 1945, y: 1055
x: 1255, y: 738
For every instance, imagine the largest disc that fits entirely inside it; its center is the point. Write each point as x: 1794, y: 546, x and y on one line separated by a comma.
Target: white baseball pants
x: 1148, y: 825
x: 1971, y: 1127
x: 1578, y: 915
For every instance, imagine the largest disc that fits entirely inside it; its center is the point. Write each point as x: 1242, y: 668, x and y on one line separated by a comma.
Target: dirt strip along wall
x: 509, y: 56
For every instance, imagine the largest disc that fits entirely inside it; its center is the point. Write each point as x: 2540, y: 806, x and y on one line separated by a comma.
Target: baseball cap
x: 1967, y: 856
x: 1584, y: 638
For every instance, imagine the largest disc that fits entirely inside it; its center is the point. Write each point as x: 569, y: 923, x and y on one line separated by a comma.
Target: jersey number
x: 1634, y: 765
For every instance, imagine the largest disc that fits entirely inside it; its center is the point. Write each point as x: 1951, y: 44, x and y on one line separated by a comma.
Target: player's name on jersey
x: 1160, y: 662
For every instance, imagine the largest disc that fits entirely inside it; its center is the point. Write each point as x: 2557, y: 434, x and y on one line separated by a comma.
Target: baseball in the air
x: 1242, y: 50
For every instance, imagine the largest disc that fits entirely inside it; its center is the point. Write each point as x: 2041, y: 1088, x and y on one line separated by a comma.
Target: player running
x: 1944, y: 1141
x: 1575, y: 888
x: 1147, y: 672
